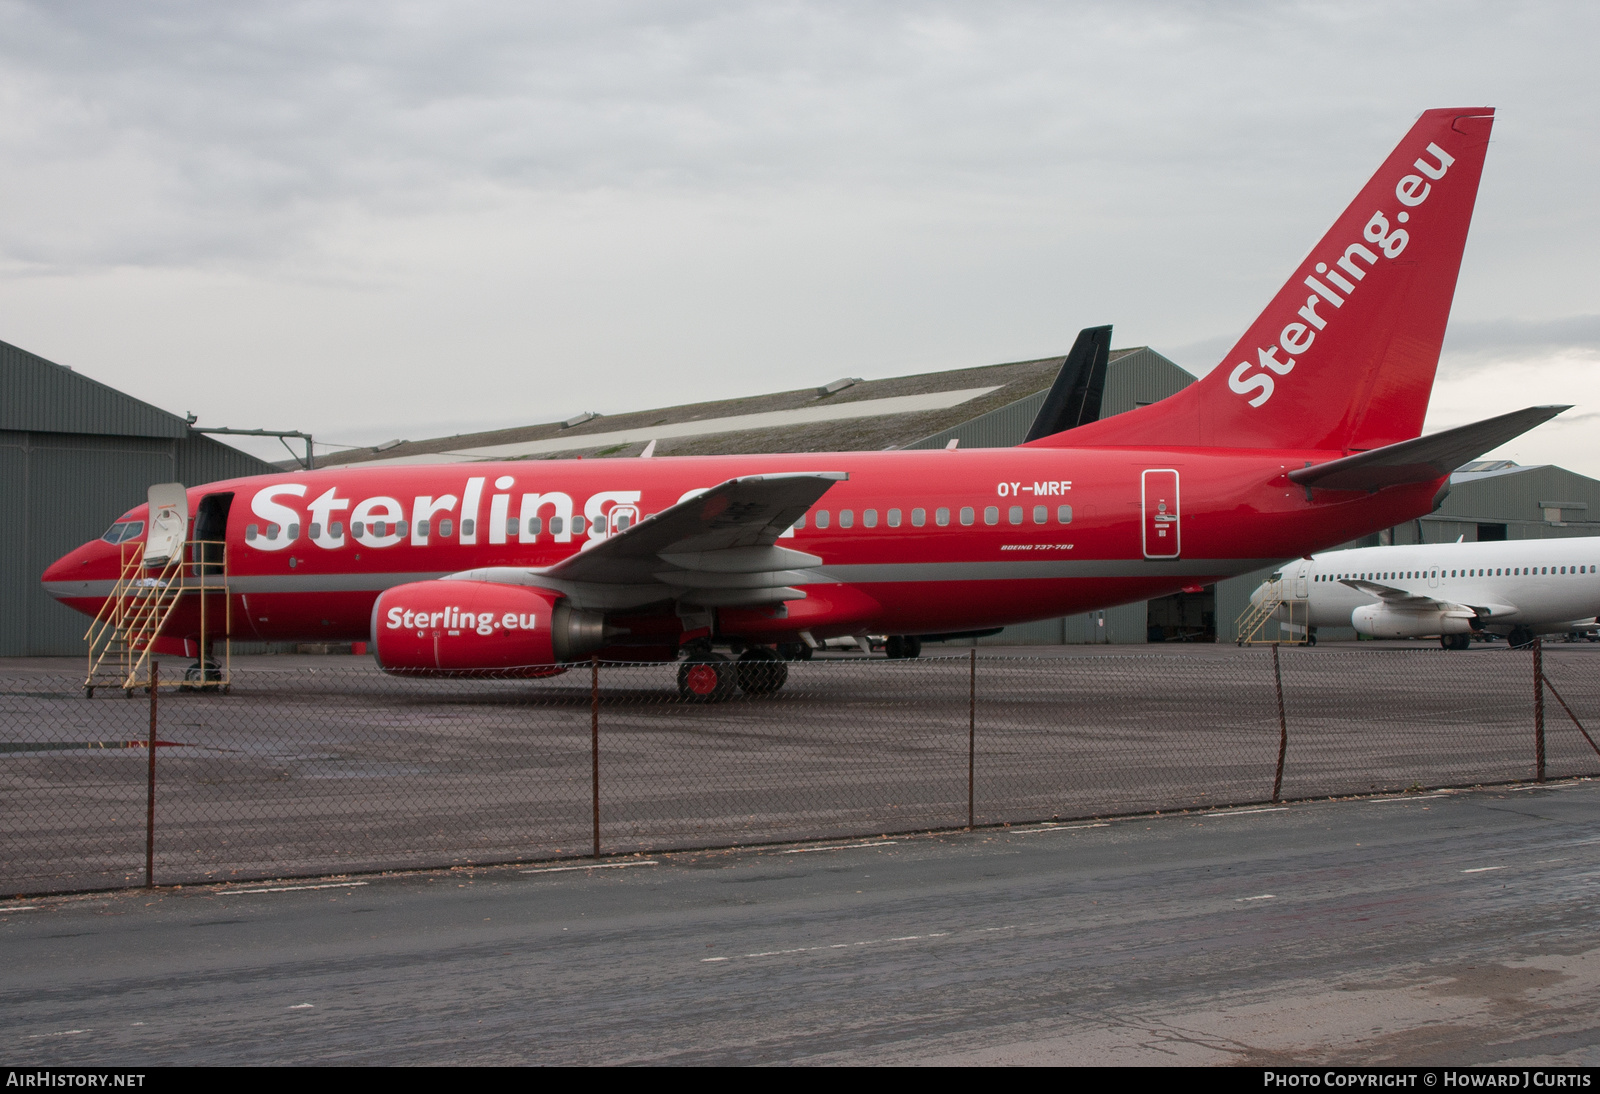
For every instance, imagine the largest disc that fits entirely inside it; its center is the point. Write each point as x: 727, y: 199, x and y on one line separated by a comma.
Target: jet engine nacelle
x: 454, y: 628
x: 1377, y: 621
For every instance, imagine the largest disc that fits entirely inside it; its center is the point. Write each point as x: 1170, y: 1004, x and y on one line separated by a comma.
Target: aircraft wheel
x: 1520, y: 638
x: 760, y: 671
x: 913, y: 646
x: 894, y: 647
x: 706, y: 678
x: 794, y: 651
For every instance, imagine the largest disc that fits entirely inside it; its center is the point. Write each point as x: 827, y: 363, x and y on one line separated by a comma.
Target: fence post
x: 150, y: 790
x: 1538, y: 710
x: 972, y: 726
x: 1283, y: 725
x: 594, y: 745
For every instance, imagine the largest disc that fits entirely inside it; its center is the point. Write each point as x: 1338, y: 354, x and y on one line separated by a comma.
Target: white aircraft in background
x: 1516, y: 588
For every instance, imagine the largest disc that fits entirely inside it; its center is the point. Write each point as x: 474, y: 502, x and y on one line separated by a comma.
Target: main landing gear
x: 1455, y: 641
x: 708, y: 677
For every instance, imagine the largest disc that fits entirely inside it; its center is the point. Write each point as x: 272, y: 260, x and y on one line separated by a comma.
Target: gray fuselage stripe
x: 855, y: 574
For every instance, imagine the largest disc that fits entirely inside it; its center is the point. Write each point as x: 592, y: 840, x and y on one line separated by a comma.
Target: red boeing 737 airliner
x: 1304, y: 437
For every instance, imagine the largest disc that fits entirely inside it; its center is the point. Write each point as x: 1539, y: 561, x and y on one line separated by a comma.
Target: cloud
x: 1477, y: 344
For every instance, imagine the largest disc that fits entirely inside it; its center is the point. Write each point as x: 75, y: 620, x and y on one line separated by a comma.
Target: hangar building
x: 74, y: 455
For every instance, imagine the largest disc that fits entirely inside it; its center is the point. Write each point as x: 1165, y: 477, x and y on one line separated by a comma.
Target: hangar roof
x: 40, y: 396
x: 863, y: 415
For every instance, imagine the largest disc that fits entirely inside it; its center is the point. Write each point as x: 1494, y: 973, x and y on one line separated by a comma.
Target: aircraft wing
x: 1401, y: 600
x: 718, y: 548
x: 1396, y: 598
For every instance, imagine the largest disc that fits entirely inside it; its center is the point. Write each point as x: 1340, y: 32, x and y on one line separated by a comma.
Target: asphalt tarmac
x: 1445, y: 928
x: 318, y: 765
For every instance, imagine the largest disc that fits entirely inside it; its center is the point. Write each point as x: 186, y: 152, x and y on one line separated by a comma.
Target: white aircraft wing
x: 1403, y: 600
x: 1395, y: 598
x: 718, y: 548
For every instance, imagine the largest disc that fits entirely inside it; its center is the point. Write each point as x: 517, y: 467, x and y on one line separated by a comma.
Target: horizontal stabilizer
x: 1422, y: 459
x: 1074, y: 398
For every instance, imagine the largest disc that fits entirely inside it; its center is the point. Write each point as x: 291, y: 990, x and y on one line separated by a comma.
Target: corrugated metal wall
x: 68, y: 488
x: 41, y: 396
x: 74, y: 456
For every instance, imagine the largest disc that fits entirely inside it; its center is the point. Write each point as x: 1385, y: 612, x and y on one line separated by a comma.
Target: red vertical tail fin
x: 1344, y: 356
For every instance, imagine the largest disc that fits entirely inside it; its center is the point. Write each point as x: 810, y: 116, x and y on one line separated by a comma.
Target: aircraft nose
x: 95, y: 560
x: 1255, y: 597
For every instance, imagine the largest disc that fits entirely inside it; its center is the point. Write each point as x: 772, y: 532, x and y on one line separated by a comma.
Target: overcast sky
x: 373, y: 221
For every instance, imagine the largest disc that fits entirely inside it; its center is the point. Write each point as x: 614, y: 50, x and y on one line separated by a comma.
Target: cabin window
x: 315, y: 530
x: 967, y: 515
x: 577, y: 525
x: 468, y: 526
x: 801, y: 523
x: 446, y: 526
x: 1063, y: 514
x: 991, y: 514
x: 1041, y: 514
x: 919, y: 517
x: 535, y: 526
x: 869, y: 518
x: 1015, y: 514
x: 894, y: 518
x: 357, y: 529
x: 824, y: 518
x: 600, y: 525
x: 620, y: 522
x: 422, y: 529
x: 336, y: 529
x: 511, y: 526
x: 847, y: 518
x: 272, y: 531
x: 941, y: 516
x: 251, y: 531
x: 380, y: 527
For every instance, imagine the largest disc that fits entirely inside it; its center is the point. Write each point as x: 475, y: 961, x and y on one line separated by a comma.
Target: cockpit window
x: 124, y: 530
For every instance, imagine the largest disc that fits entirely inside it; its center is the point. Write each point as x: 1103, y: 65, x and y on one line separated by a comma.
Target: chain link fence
x: 311, y: 771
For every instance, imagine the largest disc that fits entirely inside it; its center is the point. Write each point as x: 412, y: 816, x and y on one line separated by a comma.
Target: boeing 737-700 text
x: 1304, y: 437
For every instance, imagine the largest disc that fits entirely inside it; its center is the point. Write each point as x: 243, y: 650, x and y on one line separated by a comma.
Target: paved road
x: 1457, y: 928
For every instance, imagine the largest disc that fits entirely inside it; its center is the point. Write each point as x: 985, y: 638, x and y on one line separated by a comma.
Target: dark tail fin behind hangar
x: 1074, y: 398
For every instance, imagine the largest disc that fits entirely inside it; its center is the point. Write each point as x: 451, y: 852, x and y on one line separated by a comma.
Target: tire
x: 894, y: 647
x: 706, y: 678
x: 913, y: 646
x: 1520, y: 638
x: 760, y: 671
x: 794, y: 651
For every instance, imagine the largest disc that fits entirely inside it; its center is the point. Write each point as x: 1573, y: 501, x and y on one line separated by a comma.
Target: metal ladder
x: 1251, y: 626
x: 123, y: 634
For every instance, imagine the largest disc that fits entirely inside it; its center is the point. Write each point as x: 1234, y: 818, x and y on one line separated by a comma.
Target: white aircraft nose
x: 1255, y: 597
